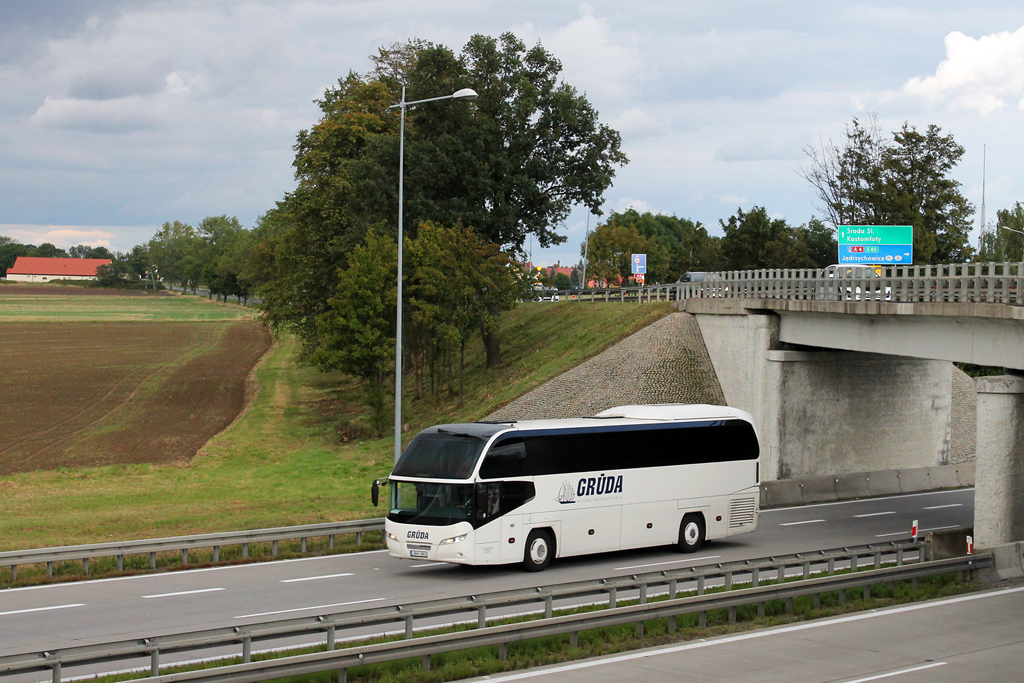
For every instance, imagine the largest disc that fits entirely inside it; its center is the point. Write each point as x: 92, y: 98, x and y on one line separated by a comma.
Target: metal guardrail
x: 572, y: 624
x: 1000, y: 283
x: 636, y: 586
x: 183, y: 544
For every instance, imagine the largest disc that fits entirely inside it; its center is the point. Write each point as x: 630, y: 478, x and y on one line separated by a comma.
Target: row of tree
x: 674, y: 246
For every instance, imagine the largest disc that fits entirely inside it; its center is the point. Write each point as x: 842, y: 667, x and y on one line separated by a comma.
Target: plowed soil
x: 88, y: 394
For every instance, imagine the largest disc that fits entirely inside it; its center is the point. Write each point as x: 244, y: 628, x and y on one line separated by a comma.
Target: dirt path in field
x: 87, y: 394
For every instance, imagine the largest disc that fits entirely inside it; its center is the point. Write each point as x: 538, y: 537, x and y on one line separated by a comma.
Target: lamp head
x: 465, y: 93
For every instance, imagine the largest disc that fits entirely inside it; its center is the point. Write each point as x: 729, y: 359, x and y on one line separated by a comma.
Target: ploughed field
x: 82, y: 394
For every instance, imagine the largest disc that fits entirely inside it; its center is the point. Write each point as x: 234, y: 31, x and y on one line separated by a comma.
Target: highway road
x: 62, y: 615
x: 976, y: 637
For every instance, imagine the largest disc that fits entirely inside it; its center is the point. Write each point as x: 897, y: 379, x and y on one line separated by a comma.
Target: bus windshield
x: 429, y: 503
x: 440, y: 455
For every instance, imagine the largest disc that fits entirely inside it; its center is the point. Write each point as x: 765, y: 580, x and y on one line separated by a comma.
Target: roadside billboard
x: 877, y: 244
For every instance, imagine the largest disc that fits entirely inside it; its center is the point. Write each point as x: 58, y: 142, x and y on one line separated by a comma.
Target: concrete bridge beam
x: 999, y: 487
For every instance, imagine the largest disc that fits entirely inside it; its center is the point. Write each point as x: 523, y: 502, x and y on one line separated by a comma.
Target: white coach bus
x: 630, y: 477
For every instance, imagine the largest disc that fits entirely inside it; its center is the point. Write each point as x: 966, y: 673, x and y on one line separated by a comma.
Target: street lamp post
x: 465, y: 93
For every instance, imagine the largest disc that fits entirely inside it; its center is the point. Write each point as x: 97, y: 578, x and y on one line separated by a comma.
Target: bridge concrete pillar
x: 999, y: 481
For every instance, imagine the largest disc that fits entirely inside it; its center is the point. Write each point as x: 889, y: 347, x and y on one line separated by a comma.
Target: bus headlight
x: 456, y: 539
x: 392, y: 536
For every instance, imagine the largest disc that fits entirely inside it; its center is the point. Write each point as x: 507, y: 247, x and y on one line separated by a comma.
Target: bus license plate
x: 418, y: 553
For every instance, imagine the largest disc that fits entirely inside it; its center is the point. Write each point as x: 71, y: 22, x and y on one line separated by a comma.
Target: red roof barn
x: 34, y: 269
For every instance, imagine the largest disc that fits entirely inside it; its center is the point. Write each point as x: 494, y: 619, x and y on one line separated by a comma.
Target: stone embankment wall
x: 963, y: 428
x: 666, y: 362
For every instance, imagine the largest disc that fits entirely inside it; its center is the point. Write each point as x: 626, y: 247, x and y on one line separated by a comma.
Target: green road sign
x: 882, y: 244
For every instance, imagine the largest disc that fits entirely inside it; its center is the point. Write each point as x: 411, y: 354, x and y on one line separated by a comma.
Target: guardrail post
x: 831, y: 566
x: 49, y: 568
x: 331, y: 637
x: 246, y: 650
x: 154, y: 662
x: 426, y: 662
x: 899, y: 557
x: 842, y: 596
x: 732, y: 615
x: 216, y: 553
x: 640, y: 629
x: 728, y: 581
x: 245, y: 550
x: 672, y: 585
x: 782, y: 572
x: 302, y: 546
x: 755, y: 575
x: 273, y: 548
x: 789, y: 605
x: 359, y: 538
x: 867, y: 592
x: 914, y: 584
x: 817, y: 600
x: 702, y: 618
x: 853, y: 562
x: 503, y: 651
x: 85, y: 566
x: 342, y: 675
x: 14, y: 572
x: 878, y: 559
x: 408, y: 626
x: 612, y: 597
x: 807, y: 570
x: 184, y: 556
x: 152, y: 560
x: 56, y: 672
x: 330, y: 541
x: 547, y: 606
x: 700, y: 585
x: 574, y: 639
x: 481, y: 616
x: 120, y: 563
x: 643, y: 593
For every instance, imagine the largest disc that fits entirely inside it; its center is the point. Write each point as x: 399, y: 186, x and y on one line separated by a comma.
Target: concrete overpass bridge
x: 848, y: 370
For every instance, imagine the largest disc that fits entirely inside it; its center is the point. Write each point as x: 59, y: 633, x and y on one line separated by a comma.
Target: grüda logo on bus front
x: 589, y: 486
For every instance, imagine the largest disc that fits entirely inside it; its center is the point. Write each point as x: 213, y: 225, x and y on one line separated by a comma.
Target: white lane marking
x: 806, y: 521
x: 878, y: 514
x: 751, y: 635
x: 171, y: 595
x: 164, y: 575
x: 41, y: 609
x: 305, y: 609
x: 898, y: 673
x: 315, y: 578
x: 902, y: 496
x: 658, y: 564
x: 939, y: 507
x: 895, y: 533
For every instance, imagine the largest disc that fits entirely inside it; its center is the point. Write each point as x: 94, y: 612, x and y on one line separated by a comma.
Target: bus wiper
x: 462, y: 434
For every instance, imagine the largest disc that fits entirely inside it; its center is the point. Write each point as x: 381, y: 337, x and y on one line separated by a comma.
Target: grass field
x: 297, y: 455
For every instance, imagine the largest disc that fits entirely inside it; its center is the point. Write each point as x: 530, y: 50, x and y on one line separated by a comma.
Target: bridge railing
x: 960, y: 282
x: 997, y: 283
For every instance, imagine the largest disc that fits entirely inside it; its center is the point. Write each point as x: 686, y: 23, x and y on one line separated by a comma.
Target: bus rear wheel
x: 539, y: 549
x: 691, y: 533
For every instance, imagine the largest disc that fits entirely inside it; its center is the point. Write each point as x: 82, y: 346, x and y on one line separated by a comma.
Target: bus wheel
x: 691, y: 533
x: 539, y: 548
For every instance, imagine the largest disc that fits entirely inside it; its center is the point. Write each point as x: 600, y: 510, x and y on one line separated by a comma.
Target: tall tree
x: 687, y: 244
x: 868, y: 179
x: 1006, y: 242
x: 755, y: 240
x: 612, y: 244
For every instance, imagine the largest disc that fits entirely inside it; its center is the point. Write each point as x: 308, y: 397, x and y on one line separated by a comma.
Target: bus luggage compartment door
x: 592, y: 530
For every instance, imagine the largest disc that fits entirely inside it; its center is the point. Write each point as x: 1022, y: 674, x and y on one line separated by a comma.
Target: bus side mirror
x: 375, y: 493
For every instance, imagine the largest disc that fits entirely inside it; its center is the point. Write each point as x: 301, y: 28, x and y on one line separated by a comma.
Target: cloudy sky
x: 116, y: 116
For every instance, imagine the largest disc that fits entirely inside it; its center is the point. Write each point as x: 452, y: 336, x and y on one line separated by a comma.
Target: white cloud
x: 120, y: 115
x: 733, y: 199
x: 595, y: 60
x: 638, y: 205
x: 979, y: 74
x: 763, y: 147
x: 60, y: 235
x: 636, y: 123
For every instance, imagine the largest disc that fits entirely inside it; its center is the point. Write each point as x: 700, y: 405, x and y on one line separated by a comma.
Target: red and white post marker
x: 970, y: 545
x: 914, y: 530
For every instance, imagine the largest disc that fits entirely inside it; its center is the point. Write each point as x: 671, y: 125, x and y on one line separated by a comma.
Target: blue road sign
x: 639, y: 264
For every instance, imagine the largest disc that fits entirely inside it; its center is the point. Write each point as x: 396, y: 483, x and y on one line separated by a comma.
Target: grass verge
x: 604, y: 641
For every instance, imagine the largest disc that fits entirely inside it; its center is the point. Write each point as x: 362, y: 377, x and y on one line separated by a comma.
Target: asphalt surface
x: 976, y: 637
x: 63, y: 615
